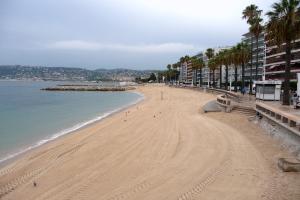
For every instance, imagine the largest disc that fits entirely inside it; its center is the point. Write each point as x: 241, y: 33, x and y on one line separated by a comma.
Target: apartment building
x: 275, y: 61
x: 250, y: 38
x: 183, y: 72
x: 189, y: 73
x: 206, y: 72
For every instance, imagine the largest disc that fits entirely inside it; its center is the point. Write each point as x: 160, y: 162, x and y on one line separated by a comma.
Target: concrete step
x: 244, y: 110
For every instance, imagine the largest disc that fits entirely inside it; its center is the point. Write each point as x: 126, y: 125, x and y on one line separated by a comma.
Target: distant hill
x: 70, y: 74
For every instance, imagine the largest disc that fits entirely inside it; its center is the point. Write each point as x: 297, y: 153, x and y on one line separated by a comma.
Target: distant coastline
x: 36, y: 73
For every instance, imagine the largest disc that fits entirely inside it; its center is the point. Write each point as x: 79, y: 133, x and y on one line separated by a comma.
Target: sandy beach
x: 162, y: 148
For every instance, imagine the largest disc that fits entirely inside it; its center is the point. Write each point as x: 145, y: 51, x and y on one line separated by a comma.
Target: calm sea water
x: 30, y: 117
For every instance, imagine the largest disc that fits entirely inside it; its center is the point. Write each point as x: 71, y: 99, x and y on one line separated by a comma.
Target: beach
x: 164, y: 147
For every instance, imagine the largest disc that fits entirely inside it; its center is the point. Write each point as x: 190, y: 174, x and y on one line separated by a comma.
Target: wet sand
x: 162, y: 148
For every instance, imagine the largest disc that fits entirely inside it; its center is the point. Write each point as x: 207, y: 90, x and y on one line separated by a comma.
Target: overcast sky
x: 137, y: 34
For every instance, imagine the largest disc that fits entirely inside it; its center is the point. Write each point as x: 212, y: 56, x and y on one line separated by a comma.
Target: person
x: 243, y: 91
x: 294, y: 99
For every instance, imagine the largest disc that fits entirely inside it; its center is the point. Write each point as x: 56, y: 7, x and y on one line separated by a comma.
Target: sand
x: 159, y: 149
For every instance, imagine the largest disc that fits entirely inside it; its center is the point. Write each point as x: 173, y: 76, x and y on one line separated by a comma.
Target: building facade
x: 206, y: 72
x: 189, y: 73
x: 189, y: 76
x: 250, y: 38
x: 183, y: 72
x: 275, y: 61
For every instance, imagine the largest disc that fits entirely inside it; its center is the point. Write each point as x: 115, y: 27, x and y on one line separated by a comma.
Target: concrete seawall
x: 87, y: 88
x: 287, y: 139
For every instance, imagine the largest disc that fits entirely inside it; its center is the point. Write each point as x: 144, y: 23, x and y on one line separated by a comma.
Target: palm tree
x: 257, y: 29
x: 234, y: 59
x: 226, y: 62
x: 219, y: 62
x: 201, y: 65
x: 223, y: 59
x: 252, y: 15
x: 243, y: 53
x: 182, y: 60
x: 283, y: 27
x: 194, y: 64
x: 212, y: 65
x: 175, y: 67
x: 169, y: 66
x: 198, y: 64
x: 209, y: 53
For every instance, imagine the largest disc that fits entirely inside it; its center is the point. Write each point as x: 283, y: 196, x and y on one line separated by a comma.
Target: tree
x: 218, y: 62
x: 175, y: 66
x: 212, y: 65
x: 169, y: 66
x: 243, y: 55
x: 201, y: 65
x: 209, y: 53
x: 222, y: 59
x: 198, y: 64
x: 184, y: 59
x: 256, y: 29
x: 252, y: 15
x: 284, y: 27
x: 226, y: 61
x: 194, y: 64
x: 152, y: 77
x: 234, y: 59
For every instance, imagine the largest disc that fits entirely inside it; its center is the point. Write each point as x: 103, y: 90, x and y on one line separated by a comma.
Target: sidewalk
x: 289, y: 109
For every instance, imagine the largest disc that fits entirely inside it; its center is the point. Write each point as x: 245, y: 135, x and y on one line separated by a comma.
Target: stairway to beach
x: 245, y: 110
x: 244, y: 105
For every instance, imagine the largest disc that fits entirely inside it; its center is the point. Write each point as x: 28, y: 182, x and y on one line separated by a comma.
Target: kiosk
x: 268, y: 90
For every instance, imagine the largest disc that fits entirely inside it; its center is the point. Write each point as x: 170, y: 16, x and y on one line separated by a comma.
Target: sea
x: 30, y: 117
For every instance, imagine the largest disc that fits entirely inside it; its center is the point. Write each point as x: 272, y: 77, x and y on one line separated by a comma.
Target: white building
x: 183, y: 72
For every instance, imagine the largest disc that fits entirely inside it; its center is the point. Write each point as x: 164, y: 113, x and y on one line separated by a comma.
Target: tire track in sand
x: 197, y: 189
x: 28, y: 176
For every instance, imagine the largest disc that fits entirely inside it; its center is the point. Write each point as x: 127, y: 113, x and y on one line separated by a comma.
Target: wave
x: 72, y: 129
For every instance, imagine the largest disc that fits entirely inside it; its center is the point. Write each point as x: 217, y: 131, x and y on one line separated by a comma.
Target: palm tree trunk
x: 251, y: 62
x: 235, y: 78
x: 209, y: 78
x: 286, y: 91
x: 195, y: 77
x: 243, y: 75
x: 226, y: 77
x: 256, y: 68
x: 221, y: 76
x: 214, y: 85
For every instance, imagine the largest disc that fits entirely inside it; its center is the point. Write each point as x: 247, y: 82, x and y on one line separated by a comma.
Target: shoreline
x: 10, y: 158
x: 164, y: 148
